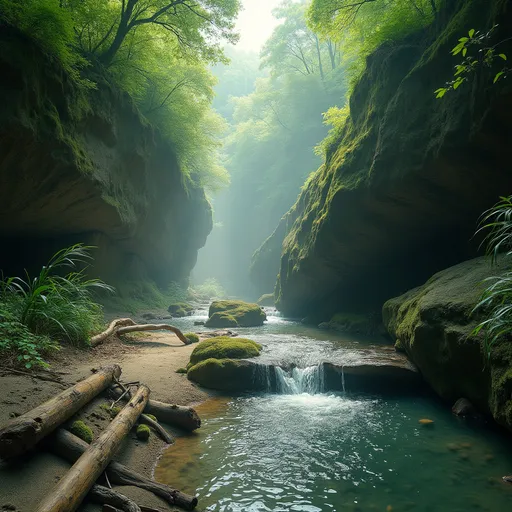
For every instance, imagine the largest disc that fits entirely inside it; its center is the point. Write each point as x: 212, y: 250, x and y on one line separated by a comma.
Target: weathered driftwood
x: 74, y: 486
x: 24, y: 432
x: 154, y: 327
x: 161, y: 432
x: 111, y: 329
x: 70, y: 447
x: 113, y: 499
x: 177, y: 415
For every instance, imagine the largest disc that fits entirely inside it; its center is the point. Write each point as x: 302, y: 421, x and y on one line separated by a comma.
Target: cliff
x: 407, y: 177
x: 82, y: 165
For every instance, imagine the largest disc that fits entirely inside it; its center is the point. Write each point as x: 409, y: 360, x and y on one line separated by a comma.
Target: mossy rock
x: 267, y: 300
x: 181, y: 370
x: 235, y: 313
x: 81, y: 430
x: 143, y: 432
x: 352, y: 322
x: 192, y: 337
x: 226, y: 375
x: 180, y: 309
x: 225, y: 348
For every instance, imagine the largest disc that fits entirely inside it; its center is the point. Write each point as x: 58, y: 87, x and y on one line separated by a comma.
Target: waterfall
x: 300, y: 380
x: 343, y: 378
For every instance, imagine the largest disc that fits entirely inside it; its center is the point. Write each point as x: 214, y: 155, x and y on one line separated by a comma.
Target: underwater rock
x: 434, y: 323
x: 234, y: 313
x: 463, y: 407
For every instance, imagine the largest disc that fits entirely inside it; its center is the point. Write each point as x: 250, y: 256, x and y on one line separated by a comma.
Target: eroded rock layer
x: 83, y: 166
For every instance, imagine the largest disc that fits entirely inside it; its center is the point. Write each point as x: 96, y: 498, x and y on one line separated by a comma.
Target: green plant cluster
x: 37, y: 312
x: 81, y: 430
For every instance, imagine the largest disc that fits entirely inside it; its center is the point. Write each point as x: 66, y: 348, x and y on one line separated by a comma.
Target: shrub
x: 224, y: 347
x: 192, y: 337
x: 81, y: 430
x: 143, y: 432
x: 54, y: 305
x: 211, y: 288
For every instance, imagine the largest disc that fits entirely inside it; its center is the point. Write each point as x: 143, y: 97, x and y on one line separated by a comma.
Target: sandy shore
x: 152, y: 358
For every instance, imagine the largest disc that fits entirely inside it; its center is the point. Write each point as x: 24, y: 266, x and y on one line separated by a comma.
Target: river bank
x: 152, y: 358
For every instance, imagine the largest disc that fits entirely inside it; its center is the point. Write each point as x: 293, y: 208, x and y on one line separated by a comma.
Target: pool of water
x: 332, y: 452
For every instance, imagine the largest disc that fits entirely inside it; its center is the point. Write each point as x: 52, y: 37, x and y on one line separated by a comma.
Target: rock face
x: 234, y: 313
x: 85, y: 167
x: 406, y: 178
x: 433, y: 324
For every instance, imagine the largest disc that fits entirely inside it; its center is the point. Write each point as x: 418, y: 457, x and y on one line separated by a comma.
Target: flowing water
x: 305, y: 449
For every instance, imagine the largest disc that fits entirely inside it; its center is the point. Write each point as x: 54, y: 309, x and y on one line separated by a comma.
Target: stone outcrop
x: 433, y: 324
x: 84, y: 166
x: 405, y: 179
x: 234, y: 313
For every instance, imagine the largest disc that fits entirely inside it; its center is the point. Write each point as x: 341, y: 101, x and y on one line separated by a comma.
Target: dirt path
x: 152, y: 358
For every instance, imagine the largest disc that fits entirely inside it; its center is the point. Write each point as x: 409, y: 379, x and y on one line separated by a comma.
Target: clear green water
x: 336, y: 452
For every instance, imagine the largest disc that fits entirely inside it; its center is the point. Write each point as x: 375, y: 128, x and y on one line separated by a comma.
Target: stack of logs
x: 90, y: 462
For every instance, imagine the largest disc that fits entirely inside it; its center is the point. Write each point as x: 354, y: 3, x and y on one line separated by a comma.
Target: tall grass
x: 495, y: 303
x: 59, y: 301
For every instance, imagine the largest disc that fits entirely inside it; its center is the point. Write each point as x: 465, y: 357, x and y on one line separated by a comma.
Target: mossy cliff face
x: 407, y: 176
x: 84, y: 166
x: 433, y: 323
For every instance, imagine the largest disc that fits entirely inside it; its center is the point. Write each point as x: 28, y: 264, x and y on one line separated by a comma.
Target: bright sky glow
x: 255, y: 23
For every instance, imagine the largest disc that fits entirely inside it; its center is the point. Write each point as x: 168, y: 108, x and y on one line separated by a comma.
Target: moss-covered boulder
x: 192, y: 337
x: 433, y: 324
x: 225, y: 348
x: 143, y: 432
x: 227, y: 375
x: 180, y: 309
x: 234, y: 313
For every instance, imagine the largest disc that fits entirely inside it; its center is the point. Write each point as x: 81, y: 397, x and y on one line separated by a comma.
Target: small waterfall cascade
x: 343, y: 378
x: 300, y: 380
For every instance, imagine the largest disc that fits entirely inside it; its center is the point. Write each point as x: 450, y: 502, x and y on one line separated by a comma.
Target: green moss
x: 192, y: 337
x: 112, y: 412
x: 353, y: 322
x: 181, y: 370
x: 399, y: 346
x: 180, y: 309
x: 143, y: 432
x: 151, y: 417
x: 235, y: 313
x: 223, y: 348
x: 81, y: 430
x: 223, y: 374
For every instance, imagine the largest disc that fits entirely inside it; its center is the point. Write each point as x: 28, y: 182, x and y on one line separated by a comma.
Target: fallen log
x: 113, y: 499
x: 74, y: 486
x: 154, y: 327
x: 24, y: 432
x: 177, y: 415
x: 70, y: 448
x: 161, y: 432
x: 111, y: 329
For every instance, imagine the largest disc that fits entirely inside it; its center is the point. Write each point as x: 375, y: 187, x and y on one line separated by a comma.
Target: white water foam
x: 300, y: 380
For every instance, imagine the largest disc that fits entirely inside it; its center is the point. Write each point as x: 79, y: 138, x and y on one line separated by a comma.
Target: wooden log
x: 154, y: 327
x: 111, y: 329
x: 177, y: 415
x: 70, y: 447
x: 161, y: 432
x: 24, y: 432
x: 74, y: 486
x: 114, y: 499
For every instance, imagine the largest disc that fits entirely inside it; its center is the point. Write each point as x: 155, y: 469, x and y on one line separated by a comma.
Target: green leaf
x: 28, y: 366
x: 440, y: 92
x: 498, y: 76
x: 464, y: 52
x: 503, y: 56
x: 26, y: 357
x: 471, y: 32
x: 464, y: 39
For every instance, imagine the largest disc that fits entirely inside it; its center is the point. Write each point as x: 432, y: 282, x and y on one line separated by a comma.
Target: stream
x: 306, y: 449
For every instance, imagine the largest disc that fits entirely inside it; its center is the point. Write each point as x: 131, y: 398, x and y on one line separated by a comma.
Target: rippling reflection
x: 333, y: 452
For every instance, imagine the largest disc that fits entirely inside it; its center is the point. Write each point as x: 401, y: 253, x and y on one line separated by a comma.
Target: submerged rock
x: 434, y: 323
x: 463, y: 407
x: 234, y: 313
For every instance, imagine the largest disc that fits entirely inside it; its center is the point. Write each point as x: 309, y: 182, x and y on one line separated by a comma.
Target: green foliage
x: 192, y: 337
x: 143, y: 432
x: 54, y: 305
x: 112, y: 412
x: 81, y: 430
x: 210, y: 289
x: 496, y: 301
x: 19, y: 346
x: 477, y: 52
x: 224, y: 347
